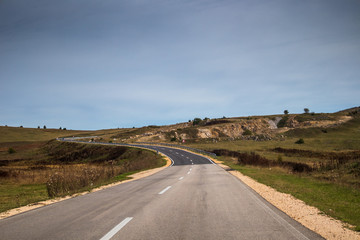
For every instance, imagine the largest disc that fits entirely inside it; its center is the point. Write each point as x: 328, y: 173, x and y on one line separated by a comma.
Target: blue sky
x: 95, y: 64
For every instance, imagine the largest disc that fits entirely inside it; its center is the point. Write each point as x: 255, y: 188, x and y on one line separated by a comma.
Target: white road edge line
x: 116, y: 229
x: 164, y: 190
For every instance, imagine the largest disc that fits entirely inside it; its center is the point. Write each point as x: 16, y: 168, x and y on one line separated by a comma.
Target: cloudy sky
x: 94, y: 64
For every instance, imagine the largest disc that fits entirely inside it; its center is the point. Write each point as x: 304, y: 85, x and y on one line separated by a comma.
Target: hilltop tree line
x: 306, y: 111
x: 44, y: 127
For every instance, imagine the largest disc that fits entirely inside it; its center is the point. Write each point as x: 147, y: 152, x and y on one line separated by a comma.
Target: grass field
x: 38, y: 169
x: 336, y: 200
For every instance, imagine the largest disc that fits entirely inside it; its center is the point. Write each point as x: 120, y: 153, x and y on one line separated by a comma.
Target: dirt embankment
x: 252, y: 128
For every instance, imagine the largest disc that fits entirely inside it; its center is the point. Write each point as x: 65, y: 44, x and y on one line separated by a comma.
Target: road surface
x: 192, y: 199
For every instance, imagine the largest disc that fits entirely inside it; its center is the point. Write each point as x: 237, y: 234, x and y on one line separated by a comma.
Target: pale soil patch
x: 308, y: 216
x: 32, y: 206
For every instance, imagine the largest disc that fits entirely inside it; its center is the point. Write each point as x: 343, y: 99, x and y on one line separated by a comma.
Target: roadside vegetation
x: 320, y: 166
x: 42, y: 170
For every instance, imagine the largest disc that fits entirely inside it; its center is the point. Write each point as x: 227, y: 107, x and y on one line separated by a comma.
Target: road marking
x: 188, y: 172
x: 176, y: 152
x: 164, y: 190
x: 181, y: 178
x: 192, y: 163
x: 116, y: 229
x: 181, y: 155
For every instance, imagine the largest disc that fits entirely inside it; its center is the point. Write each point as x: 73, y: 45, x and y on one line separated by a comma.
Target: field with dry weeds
x: 36, y: 171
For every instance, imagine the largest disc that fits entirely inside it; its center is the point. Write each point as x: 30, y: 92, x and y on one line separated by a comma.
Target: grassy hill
x: 35, y: 167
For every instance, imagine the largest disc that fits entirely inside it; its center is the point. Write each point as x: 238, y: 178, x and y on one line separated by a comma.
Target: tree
x: 196, y: 121
x: 286, y: 112
x: 44, y: 126
x: 38, y: 127
x: 306, y: 110
x: 60, y: 128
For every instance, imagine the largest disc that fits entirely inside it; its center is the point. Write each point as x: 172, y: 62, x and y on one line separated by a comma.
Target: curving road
x: 192, y: 199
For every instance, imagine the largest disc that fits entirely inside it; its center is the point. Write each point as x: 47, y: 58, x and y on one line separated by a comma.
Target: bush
x: 197, y: 121
x: 282, y: 122
x: 173, y: 139
x: 247, y: 132
x: 11, y: 150
x: 300, y: 141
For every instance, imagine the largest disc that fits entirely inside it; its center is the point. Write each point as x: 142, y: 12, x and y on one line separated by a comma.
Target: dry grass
x: 41, y: 170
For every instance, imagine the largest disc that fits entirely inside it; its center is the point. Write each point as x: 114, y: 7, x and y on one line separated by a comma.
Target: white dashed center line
x: 116, y: 229
x: 164, y: 190
x: 181, y: 178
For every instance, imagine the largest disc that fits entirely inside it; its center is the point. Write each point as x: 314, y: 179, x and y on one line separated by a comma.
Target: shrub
x: 286, y: 112
x: 282, y: 122
x: 247, y: 132
x: 306, y: 110
x: 300, y: 141
x: 196, y: 121
x: 173, y: 139
x: 11, y: 150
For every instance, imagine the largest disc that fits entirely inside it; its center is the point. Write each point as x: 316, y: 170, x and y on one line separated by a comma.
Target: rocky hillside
x: 247, y: 128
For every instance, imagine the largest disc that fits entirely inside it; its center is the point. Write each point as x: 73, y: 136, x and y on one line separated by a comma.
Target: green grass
x: 16, y: 134
x: 338, y: 201
x: 17, y: 195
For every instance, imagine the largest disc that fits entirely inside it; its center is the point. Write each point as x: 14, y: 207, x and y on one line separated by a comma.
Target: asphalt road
x: 192, y: 199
